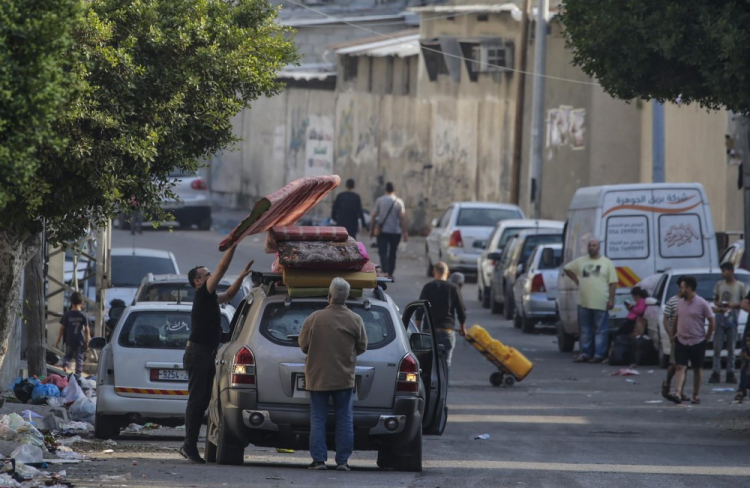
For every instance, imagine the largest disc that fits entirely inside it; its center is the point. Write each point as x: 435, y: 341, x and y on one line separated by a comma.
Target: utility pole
x: 515, y: 184
x: 657, y: 143
x: 537, y: 120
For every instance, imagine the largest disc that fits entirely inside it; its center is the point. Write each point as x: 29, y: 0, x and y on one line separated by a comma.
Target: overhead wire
x: 437, y: 51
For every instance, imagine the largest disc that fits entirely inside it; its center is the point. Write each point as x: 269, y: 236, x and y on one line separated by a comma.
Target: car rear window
x: 534, y: 240
x: 556, y: 262
x: 168, y: 292
x: 508, y: 234
x: 484, y: 217
x: 128, y: 271
x: 281, y: 324
x: 706, y: 283
x: 159, y: 330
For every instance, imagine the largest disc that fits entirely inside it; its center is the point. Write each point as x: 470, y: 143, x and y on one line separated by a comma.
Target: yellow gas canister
x: 517, y: 363
x: 479, y: 334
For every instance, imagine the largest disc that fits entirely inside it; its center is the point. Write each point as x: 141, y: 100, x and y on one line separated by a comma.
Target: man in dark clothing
x: 447, y: 305
x: 347, y: 210
x: 205, y: 336
x: 75, y: 328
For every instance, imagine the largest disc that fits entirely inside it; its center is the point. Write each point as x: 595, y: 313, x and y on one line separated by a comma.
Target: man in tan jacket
x: 332, y: 338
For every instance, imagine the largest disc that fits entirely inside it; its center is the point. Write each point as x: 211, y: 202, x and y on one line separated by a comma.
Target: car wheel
x: 228, y: 452
x: 509, y: 305
x: 565, y: 341
x: 205, y: 224
x: 494, y: 306
x: 527, y: 326
x: 211, y: 449
x: 480, y: 291
x: 517, y: 320
x: 429, y: 267
x: 485, y: 297
x: 386, y: 458
x: 413, y: 463
x: 106, y: 426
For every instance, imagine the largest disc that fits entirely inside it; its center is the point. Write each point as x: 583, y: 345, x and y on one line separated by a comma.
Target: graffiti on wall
x: 319, y: 146
x: 566, y: 127
x: 345, y: 135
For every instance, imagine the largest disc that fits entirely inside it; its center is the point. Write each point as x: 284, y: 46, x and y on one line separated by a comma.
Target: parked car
x: 644, y: 229
x: 453, y: 235
x: 535, y: 290
x: 733, y: 254
x: 130, y: 265
x: 177, y: 288
x: 259, y: 395
x: 192, y: 206
x: 504, y: 231
x: 140, y: 376
x: 514, y: 265
x: 667, y: 287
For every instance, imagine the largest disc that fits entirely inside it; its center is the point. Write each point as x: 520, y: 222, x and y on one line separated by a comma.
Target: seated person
x: 636, y: 309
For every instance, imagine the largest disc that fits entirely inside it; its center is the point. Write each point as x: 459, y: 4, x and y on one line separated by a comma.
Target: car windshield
x: 168, y: 292
x: 706, y: 283
x: 554, y: 263
x: 534, y: 240
x: 484, y: 217
x: 281, y: 324
x: 128, y: 271
x: 159, y: 329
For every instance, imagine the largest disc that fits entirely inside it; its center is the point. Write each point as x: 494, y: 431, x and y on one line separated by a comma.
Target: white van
x: 644, y: 229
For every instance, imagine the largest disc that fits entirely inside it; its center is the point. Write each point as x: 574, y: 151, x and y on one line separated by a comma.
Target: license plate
x: 301, y: 385
x: 172, y: 375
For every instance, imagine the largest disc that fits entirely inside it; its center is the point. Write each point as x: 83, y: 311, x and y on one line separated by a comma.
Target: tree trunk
x: 33, y: 300
x: 16, y: 248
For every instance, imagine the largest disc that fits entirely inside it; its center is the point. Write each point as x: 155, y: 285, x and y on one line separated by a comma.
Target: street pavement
x: 565, y: 425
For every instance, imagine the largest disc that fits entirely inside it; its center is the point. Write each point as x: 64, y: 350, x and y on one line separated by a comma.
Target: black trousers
x: 201, y: 368
x: 387, y: 247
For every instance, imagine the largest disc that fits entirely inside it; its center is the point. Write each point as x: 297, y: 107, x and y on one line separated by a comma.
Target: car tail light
x: 198, y: 184
x: 455, y: 239
x: 243, y: 367
x: 408, y: 374
x: 537, y: 284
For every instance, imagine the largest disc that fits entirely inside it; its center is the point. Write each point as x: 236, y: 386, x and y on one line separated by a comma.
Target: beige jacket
x: 332, y: 338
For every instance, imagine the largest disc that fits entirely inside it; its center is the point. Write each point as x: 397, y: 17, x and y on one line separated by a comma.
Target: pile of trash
x: 74, y: 392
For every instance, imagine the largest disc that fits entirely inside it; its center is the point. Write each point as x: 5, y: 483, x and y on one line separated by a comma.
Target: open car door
x: 433, y: 366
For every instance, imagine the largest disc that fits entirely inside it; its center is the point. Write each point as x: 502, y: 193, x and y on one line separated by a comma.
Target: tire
x: 228, y: 453
x: 517, y: 320
x: 106, y: 426
x: 204, y: 224
x: 528, y: 326
x: 496, y: 378
x: 565, y: 341
x: 509, y: 381
x: 509, y: 305
x: 480, y: 292
x: 210, y: 454
x: 429, y: 266
x: 413, y: 463
x: 386, y: 459
x: 495, y: 307
x: 486, y: 297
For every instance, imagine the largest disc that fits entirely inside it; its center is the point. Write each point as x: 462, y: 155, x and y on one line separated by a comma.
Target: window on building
x: 494, y: 58
x: 483, y: 18
x: 434, y: 60
x: 389, y: 75
x: 351, y: 65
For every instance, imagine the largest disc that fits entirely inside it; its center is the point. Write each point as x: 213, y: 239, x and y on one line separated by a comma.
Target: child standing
x: 75, y: 328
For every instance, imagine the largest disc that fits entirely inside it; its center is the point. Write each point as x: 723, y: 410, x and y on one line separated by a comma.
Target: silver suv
x: 259, y: 394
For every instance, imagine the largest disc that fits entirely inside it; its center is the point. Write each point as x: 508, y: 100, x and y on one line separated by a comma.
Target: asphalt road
x: 566, y: 425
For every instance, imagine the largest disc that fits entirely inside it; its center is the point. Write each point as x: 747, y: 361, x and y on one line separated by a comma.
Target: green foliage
x: 155, y: 84
x: 697, y: 50
x: 35, y: 83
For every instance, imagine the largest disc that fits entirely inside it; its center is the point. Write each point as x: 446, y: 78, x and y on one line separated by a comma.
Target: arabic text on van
x: 653, y: 199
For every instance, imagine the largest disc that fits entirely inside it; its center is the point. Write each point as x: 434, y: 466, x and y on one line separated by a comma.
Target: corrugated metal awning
x: 336, y: 19
x: 306, y: 75
x: 466, y: 9
x: 402, y: 47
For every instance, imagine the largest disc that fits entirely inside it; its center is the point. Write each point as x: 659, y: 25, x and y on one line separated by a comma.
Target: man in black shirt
x: 347, y: 210
x: 447, y: 305
x: 205, y: 336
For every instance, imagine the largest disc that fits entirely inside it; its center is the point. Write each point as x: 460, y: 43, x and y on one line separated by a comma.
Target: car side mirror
x: 494, y: 256
x: 97, y: 343
x: 435, y: 222
x: 420, y: 342
x: 650, y: 301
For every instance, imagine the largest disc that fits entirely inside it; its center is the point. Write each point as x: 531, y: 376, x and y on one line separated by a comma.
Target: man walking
x: 728, y: 295
x: 691, y: 339
x: 388, y: 224
x: 75, y: 328
x: 332, y: 338
x: 670, y: 312
x: 347, y: 210
x: 596, y: 279
x: 205, y: 336
x: 446, y: 305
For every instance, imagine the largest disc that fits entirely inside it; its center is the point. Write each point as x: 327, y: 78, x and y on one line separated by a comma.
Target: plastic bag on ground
x: 27, y: 454
x: 83, y: 409
x: 57, y: 380
x: 15, y: 429
x: 73, y: 392
x: 42, y: 392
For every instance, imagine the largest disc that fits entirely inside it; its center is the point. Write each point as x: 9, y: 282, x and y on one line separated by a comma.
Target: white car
x: 535, y: 290
x: 130, y: 265
x: 504, y: 231
x: 140, y: 377
x: 666, y: 287
x: 453, y: 235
